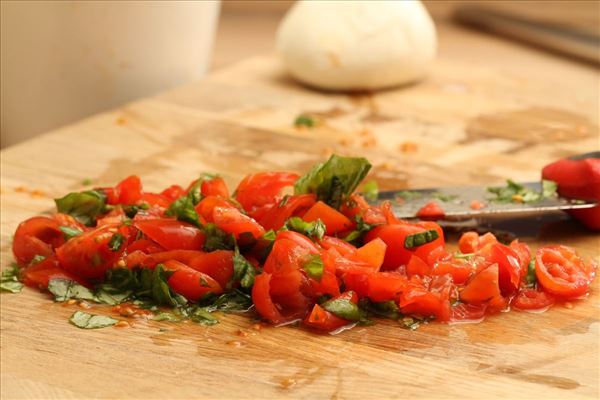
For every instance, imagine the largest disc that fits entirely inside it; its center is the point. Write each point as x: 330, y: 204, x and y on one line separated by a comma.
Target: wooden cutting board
x: 467, y: 123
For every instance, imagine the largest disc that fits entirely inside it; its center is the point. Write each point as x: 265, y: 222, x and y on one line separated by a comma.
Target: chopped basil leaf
x: 201, y: 316
x: 465, y: 256
x: 70, y: 232
x: 361, y: 229
x: 183, y: 210
x: 386, y: 309
x: 166, y: 316
x: 161, y: 292
x: 444, y: 197
x: 531, y: 278
x: 10, y: 280
x: 314, y: 267
x: 269, y: 235
x: 37, y: 259
x: 345, y: 309
x: 243, y: 271
x: 116, y: 241
x: 333, y: 180
x: 235, y: 301
x: 86, y: 182
x: 83, y: 206
x: 305, y: 120
x: 314, y: 229
x: 516, y: 193
x: 370, y: 190
x: 216, y: 238
x: 408, y: 195
x: 132, y: 209
x: 284, y: 201
x: 91, y: 321
x: 419, y: 239
x: 64, y: 289
x: 410, y: 323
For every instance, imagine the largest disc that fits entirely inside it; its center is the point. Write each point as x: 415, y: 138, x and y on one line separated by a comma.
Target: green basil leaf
x: 91, y: 321
x: 161, y: 292
x: 370, y: 190
x: 386, y: 309
x: 166, y: 316
x: 183, y: 210
x: 83, y: 206
x: 531, y: 277
x: 305, y: 120
x: 333, y: 180
x: 216, y: 238
x: 314, y: 229
x: 10, y: 280
x: 243, y: 271
x: 345, y: 309
x: 70, y: 232
x: 116, y: 241
x: 64, y: 289
x: 549, y: 188
x: 202, y: 316
x: 235, y: 301
x: 421, y: 238
x: 314, y: 267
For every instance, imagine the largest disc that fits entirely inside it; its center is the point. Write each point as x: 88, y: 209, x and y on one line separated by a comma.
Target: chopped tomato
x: 274, y: 216
x: 207, y: 205
x: 214, y: 187
x: 523, y: 254
x: 484, y: 288
x: 431, y: 210
x: 334, y: 220
x: 385, y: 286
x: 231, y: 220
x: 532, y: 300
x: 477, y: 205
x: 173, y: 192
x: 172, y: 234
x: 262, y: 189
x: 342, y: 247
x: 323, y: 320
x: 509, y: 268
x: 129, y: 190
x: 36, y: 236
x: 40, y: 274
x: 416, y: 266
x: 562, y: 273
x: 372, y: 254
x: 459, y: 270
x: 427, y: 299
x: 467, y: 313
x: 189, y: 283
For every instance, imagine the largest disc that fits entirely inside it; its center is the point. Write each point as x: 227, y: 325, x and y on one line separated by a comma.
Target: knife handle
x: 578, y: 177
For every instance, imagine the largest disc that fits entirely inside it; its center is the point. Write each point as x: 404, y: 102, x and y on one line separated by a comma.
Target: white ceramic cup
x: 64, y: 60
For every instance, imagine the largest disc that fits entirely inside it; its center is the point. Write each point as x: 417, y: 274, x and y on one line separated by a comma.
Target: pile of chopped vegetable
x: 322, y: 255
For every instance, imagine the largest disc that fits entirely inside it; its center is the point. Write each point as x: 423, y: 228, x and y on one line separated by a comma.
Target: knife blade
x: 456, y: 202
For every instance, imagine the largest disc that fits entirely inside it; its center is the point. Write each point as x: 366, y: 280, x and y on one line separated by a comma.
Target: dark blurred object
x: 582, y: 44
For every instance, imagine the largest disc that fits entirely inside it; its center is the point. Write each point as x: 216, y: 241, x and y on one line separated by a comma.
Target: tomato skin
x: 416, y: 266
x: 386, y: 286
x: 371, y: 254
x: 561, y: 272
x: 172, y: 234
x: 509, y: 268
x: 261, y: 298
x: 358, y: 206
x: 263, y: 188
x: 334, y: 220
x: 459, y: 270
x: 532, y: 300
x: 214, y: 187
x: 483, y: 288
x: 173, y: 192
x: 231, y: 220
x: 274, y: 216
x: 39, y: 275
x: 188, y: 282
x: 207, y: 205
x: 341, y: 246
x: 323, y: 320
x: 328, y: 285
x: 468, y: 242
x: 36, y: 236
x: 88, y: 255
x: 427, y: 299
x: 155, y: 199
x: 289, y: 252
x: 431, y: 210
x: 524, y: 255
x: 129, y: 190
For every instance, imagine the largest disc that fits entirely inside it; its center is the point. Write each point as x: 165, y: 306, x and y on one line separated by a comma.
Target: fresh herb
x: 370, y: 190
x: 108, y: 295
x: 284, y: 201
x: 116, y: 241
x: 243, y: 271
x: 161, y: 292
x: 386, y: 309
x: 465, y: 256
x: 167, y: 316
x: 83, y: 206
x: 131, y: 210
x: 37, y: 259
x: 234, y: 301
x: 9, y: 282
x: 195, y: 191
x: 333, y: 180
x: 304, y: 120
x: 408, y: 195
x: 361, y: 229
x: 516, y: 193
x: 216, y: 238
x: 446, y: 198
x: 419, y: 239
x: 200, y: 315
x: 64, y: 289
x: 531, y: 277
x: 345, y: 309
x: 86, y: 182
x: 411, y: 322
x: 70, y: 232
x: 314, y: 229
x: 91, y: 321
x: 183, y: 210
x: 314, y: 267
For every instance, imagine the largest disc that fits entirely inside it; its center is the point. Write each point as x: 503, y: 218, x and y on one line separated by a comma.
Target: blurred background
x: 63, y: 61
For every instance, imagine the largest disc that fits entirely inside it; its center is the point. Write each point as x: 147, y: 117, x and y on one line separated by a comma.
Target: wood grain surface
x: 470, y: 122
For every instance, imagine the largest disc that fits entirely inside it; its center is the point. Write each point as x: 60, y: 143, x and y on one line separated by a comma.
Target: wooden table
x: 489, y: 110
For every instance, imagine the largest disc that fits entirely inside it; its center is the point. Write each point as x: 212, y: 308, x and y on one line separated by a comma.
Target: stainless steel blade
x: 456, y: 202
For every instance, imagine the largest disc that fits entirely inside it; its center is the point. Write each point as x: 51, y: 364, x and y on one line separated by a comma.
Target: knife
x: 456, y: 202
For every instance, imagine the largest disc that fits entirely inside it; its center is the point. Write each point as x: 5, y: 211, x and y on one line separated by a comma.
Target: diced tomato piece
x: 509, y: 268
x: 172, y: 234
x: 416, y: 266
x: 36, y: 236
x: 188, y: 282
x: 532, y: 300
x: 39, y: 275
x: 431, y: 210
x: 562, y: 273
x: 231, y: 220
x: 459, y: 270
x: 372, y: 254
x: 342, y: 247
x: 214, y: 187
x: 173, y: 192
x: 385, y: 286
x: 334, y: 220
x: 263, y: 188
x: 129, y: 190
x: 323, y: 320
x: 524, y: 255
x: 274, y: 216
x: 483, y: 288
